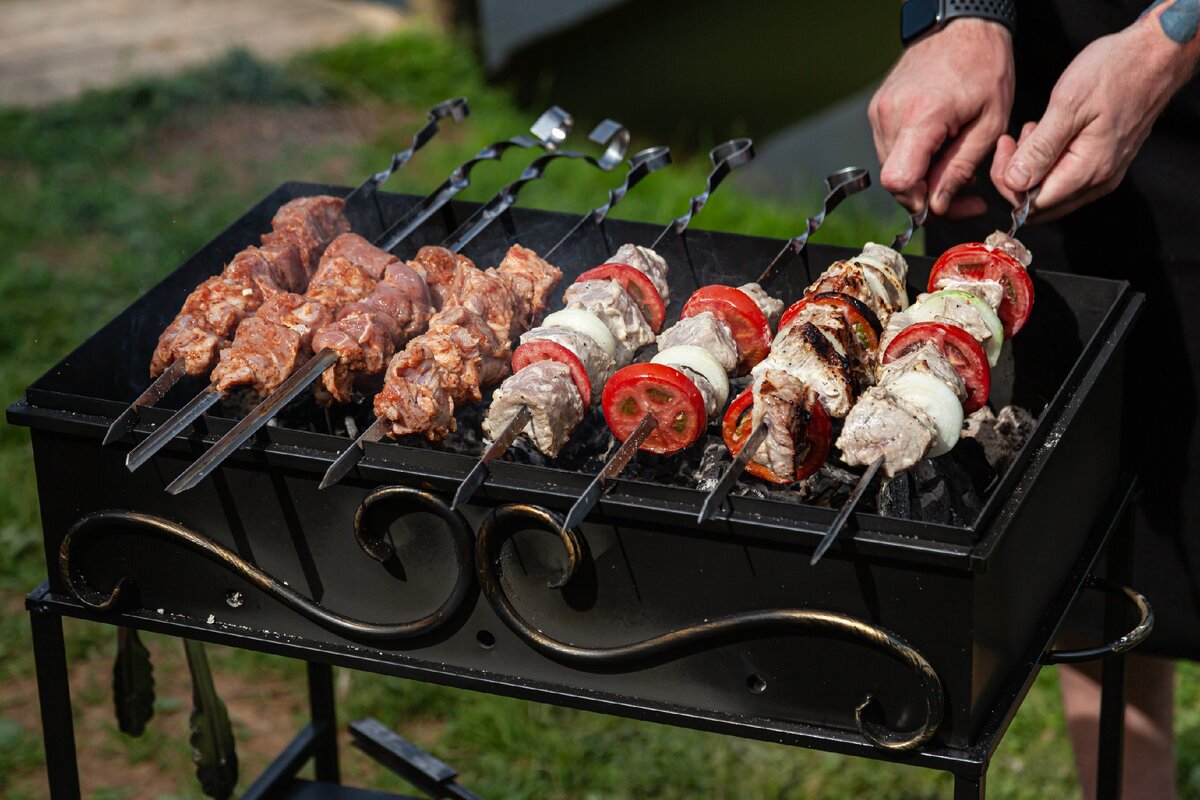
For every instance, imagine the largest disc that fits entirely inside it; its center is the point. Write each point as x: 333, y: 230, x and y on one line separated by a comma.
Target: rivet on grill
x: 756, y: 684
x: 234, y: 599
x: 486, y: 639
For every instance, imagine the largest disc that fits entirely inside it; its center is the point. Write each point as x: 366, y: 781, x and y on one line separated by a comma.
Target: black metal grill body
x: 970, y: 599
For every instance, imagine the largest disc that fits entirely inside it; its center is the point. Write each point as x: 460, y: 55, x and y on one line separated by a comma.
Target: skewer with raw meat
x: 611, y: 311
x: 286, y: 261
x: 664, y: 406
x: 458, y: 279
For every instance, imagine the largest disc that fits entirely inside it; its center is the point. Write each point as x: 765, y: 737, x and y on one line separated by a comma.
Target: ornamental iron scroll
x: 504, y: 521
x: 95, y: 524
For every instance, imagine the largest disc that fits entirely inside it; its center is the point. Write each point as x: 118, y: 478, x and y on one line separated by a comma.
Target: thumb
x: 1039, y: 150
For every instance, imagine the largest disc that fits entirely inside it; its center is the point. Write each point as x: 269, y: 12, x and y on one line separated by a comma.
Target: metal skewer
x: 615, y: 139
x: 1021, y: 213
x: 840, y: 185
x: 456, y: 109
x: 725, y: 157
x: 641, y: 164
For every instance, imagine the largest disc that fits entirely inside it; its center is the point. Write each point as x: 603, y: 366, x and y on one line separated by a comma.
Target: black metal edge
x: 1012, y: 695
x: 1006, y: 499
x: 834, y: 740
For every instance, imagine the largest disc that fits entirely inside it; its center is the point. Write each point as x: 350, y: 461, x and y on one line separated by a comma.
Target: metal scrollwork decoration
x: 95, y: 524
x: 503, y: 521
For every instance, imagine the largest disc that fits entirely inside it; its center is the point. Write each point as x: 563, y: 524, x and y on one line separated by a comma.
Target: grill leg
x: 970, y: 788
x: 324, y: 718
x: 54, y: 697
x: 1111, y: 745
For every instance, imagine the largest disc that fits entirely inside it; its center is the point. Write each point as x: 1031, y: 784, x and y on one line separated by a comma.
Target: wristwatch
x: 920, y: 17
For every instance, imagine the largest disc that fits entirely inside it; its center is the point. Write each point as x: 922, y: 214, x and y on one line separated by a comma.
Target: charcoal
x: 934, y: 497
x: 895, y: 497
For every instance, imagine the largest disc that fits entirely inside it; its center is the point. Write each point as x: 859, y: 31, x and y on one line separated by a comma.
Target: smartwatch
x: 919, y: 17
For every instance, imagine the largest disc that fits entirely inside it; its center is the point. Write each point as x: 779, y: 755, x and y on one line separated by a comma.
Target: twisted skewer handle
x: 725, y: 158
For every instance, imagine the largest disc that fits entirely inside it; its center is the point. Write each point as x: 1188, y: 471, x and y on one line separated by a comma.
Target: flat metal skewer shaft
x: 479, y: 472
x: 587, y: 501
x: 843, y: 516
x: 352, y: 454
x: 252, y: 422
x: 172, y: 428
x: 1021, y: 212
x: 719, y: 492
x: 154, y: 392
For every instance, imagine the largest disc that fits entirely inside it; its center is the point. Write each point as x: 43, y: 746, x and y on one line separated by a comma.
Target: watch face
x: 916, y: 17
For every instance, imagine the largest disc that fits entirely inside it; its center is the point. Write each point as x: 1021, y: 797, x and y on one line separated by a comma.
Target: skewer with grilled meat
x: 467, y: 344
x: 934, y: 366
x: 345, y: 294
x: 561, y: 367
x: 301, y: 230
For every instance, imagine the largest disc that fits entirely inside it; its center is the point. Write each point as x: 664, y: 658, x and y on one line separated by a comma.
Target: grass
x: 106, y: 194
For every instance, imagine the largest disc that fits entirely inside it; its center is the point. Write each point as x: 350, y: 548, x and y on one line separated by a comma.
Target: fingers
x: 956, y: 167
x: 1037, y: 152
x: 1006, y: 146
x: 1076, y: 180
x: 904, y: 171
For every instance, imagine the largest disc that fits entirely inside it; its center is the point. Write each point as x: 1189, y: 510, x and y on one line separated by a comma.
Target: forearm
x: 1171, y: 30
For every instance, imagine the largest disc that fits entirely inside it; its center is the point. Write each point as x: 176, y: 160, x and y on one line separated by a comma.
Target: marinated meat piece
x: 437, y: 266
x: 287, y: 266
x: 364, y: 336
x: 706, y: 331
x: 990, y: 292
x: 608, y: 301
x: 309, y: 223
x: 339, y: 282
x: 414, y: 398
x: 597, y: 363
x: 532, y: 280
x: 485, y: 294
x: 251, y: 268
x: 204, y: 324
x: 482, y: 359
x: 358, y: 250
x: 780, y: 400
x: 270, y: 345
x: 547, y: 389
x: 881, y: 424
x: 406, y: 279
x: 646, y: 261
x: 770, y: 307
x: 925, y: 358
x: 1002, y: 241
x: 810, y: 355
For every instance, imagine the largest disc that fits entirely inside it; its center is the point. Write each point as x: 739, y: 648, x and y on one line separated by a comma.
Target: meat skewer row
x: 366, y: 334
x: 934, y: 366
x: 211, y: 313
x: 611, y: 312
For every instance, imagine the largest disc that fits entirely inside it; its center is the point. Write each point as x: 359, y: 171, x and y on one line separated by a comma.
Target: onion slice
x: 586, y: 323
x: 701, y: 361
x: 938, y: 401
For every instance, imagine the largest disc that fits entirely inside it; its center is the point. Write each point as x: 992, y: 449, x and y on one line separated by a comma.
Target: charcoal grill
x: 941, y: 627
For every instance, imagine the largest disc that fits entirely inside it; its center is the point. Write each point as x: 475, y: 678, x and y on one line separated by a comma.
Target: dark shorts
x: 1146, y: 232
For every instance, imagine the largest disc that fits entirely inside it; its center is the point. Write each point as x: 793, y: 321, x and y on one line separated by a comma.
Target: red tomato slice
x: 979, y: 262
x: 546, y: 350
x: 735, y: 429
x: 745, y: 319
x: 858, y: 315
x: 657, y: 389
x: 638, y: 285
x: 960, y: 349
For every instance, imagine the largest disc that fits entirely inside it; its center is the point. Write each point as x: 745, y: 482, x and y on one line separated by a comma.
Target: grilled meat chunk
x: 781, y: 401
x: 647, y: 261
x: 770, y: 307
x: 925, y: 358
x: 1002, y: 241
x: 811, y: 354
x: 597, y: 363
x: 882, y: 424
x: 547, y: 389
x: 706, y: 331
x: 612, y: 304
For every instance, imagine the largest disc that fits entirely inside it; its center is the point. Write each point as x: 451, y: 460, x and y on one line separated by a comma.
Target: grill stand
x: 317, y: 741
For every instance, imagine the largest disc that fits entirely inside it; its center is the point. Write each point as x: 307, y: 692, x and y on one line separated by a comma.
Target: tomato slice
x: 980, y: 262
x: 960, y: 348
x: 657, y: 389
x: 858, y: 315
x: 545, y: 350
x: 745, y: 319
x: 638, y: 285
x: 818, y: 432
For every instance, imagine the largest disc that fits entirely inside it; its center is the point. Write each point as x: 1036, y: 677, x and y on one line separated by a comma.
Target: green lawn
x: 105, y: 195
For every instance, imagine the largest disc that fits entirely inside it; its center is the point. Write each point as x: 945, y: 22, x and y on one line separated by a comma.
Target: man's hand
x: 1100, y: 113
x: 952, y: 88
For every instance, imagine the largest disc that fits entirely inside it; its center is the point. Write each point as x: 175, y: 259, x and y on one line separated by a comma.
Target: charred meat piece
x: 547, y: 389
x: 816, y: 357
x: 780, y: 400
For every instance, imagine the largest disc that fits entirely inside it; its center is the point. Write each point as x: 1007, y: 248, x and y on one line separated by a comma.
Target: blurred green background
x: 106, y: 193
